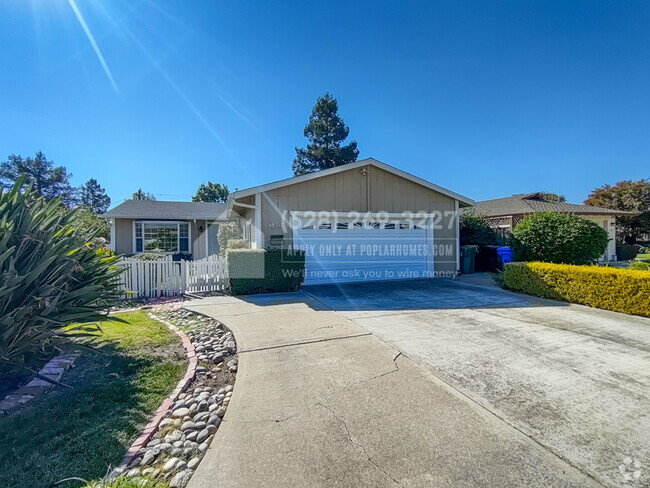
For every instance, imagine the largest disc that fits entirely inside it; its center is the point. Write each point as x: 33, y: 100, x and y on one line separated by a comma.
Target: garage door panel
x: 338, y: 252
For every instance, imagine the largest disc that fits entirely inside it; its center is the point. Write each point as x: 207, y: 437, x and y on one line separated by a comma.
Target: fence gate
x: 164, y: 277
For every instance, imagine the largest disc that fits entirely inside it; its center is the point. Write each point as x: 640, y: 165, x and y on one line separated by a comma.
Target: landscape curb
x: 52, y: 370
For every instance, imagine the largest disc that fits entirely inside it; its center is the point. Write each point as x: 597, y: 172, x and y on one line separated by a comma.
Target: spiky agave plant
x: 51, y: 273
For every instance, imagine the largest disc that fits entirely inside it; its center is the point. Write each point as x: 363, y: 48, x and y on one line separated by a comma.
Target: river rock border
x: 173, y: 443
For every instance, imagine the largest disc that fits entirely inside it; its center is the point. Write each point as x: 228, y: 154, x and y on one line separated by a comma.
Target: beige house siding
x: 352, y: 191
x: 123, y: 237
x: 608, y: 222
x: 198, y: 238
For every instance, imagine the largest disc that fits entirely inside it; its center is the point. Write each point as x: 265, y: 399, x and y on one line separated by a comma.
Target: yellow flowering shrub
x: 620, y: 290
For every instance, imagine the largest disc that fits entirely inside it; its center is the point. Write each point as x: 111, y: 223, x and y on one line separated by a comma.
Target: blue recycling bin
x: 505, y: 253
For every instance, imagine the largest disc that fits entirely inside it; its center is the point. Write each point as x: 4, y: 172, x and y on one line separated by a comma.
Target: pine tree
x: 93, y: 196
x: 325, y: 132
x: 48, y: 180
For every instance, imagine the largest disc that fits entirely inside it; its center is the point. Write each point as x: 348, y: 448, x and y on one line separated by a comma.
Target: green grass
x: 124, y: 482
x: 82, y: 431
x: 643, y: 257
x: 140, y: 332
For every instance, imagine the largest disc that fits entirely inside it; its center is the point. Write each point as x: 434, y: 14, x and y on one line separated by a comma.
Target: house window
x: 163, y: 237
x: 184, y: 237
x: 138, y: 237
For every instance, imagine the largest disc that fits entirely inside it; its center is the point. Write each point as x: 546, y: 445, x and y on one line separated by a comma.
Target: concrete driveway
x: 430, y: 383
x: 574, y: 379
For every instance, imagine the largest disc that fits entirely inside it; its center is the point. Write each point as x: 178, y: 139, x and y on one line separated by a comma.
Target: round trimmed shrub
x: 559, y: 238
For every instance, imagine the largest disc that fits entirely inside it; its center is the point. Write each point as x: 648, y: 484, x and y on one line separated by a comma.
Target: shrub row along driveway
x: 575, y: 379
x: 321, y: 401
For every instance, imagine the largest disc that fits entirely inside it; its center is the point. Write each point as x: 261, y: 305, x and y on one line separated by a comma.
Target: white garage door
x: 346, y: 250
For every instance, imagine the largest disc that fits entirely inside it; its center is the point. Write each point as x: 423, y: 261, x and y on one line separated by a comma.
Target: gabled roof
x: 153, y: 209
x: 346, y: 167
x: 535, y: 202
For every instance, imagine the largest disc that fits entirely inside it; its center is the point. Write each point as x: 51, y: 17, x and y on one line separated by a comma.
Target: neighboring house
x: 504, y: 214
x: 146, y: 226
x: 357, y: 222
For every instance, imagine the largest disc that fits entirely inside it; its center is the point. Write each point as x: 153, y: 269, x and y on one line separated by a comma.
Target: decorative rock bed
x: 183, y: 435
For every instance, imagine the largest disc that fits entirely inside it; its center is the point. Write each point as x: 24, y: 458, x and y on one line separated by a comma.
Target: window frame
x: 178, y: 236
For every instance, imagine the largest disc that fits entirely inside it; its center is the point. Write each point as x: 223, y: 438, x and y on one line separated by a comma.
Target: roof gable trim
x: 348, y: 167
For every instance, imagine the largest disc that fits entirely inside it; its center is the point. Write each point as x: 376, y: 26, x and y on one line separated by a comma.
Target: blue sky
x: 485, y: 98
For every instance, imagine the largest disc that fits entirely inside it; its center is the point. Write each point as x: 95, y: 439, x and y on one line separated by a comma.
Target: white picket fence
x: 165, y: 278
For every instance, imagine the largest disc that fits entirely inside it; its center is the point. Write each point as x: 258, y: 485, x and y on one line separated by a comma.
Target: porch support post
x: 258, y: 221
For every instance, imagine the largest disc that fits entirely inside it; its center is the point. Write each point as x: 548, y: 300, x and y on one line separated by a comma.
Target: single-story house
x: 357, y: 222
x: 503, y: 214
x: 146, y: 226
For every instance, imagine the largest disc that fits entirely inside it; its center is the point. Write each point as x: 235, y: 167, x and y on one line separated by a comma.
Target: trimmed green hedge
x: 620, y: 290
x: 252, y: 271
x: 558, y: 238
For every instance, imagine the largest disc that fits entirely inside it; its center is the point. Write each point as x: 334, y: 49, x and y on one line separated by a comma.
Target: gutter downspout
x: 205, y: 229
x: 457, y: 237
x: 367, y: 172
x: 112, y: 243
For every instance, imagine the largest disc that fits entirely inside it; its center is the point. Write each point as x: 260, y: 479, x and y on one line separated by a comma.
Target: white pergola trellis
x: 506, y: 222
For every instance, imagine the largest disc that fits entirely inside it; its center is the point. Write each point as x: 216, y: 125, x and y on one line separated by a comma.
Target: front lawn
x: 81, y: 431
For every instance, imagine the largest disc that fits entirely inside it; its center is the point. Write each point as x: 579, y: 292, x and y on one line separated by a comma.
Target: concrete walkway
x: 319, y: 401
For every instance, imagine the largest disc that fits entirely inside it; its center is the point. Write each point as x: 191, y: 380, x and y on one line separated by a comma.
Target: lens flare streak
x: 93, y: 43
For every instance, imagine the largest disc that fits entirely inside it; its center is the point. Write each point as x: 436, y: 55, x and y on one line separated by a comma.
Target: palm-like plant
x: 51, y: 274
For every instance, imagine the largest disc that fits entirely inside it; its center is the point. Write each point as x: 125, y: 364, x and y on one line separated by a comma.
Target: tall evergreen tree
x: 211, y: 192
x: 93, y: 196
x: 325, y: 132
x: 48, y: 180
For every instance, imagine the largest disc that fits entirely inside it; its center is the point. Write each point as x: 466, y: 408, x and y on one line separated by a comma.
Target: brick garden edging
x: 153, y: 424
x: 53, y: 370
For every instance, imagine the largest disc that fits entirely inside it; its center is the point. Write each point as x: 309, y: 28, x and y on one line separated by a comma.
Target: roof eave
x: 517, y: 214
x: 160, y: 217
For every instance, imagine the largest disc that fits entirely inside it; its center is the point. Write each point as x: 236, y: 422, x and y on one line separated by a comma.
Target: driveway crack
x: 323, y: 327
x: 355, y: 443
x: 365, y: 380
